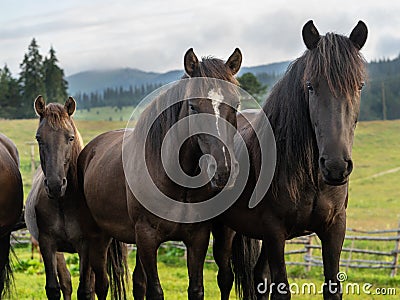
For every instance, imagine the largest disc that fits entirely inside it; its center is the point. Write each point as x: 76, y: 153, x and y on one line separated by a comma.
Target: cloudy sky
x: 154, y: 35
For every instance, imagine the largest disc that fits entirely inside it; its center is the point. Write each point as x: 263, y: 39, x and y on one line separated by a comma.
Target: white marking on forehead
x: 216, y: 100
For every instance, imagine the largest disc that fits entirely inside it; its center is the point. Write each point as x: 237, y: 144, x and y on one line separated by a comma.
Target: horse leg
x: 332, y: 242
x: 50, y: 266
x: 85, y: 288
x: 275, y: 250
x: 222, y: 252
x: 197, y: 246
x: 147, y: 242
x: 98, y: 261
x: 139, y: 280
x: 64, y: 276
x: 4, y: 262
x: 262, y: 276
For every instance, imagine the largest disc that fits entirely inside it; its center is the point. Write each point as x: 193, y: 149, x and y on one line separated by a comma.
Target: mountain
x: 99, y: 80
x: 271, y: 69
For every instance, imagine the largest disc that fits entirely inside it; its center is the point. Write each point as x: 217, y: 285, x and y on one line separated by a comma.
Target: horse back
x: 101, y: 178
x: 11, y: 193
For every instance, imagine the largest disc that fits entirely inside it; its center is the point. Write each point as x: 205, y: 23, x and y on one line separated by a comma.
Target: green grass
x: 106, y: 113
x: 373, y: 204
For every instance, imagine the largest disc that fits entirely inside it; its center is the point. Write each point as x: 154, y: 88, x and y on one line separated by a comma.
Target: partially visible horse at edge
x: 313, y: 112
x: 53, y: 208
x: 111, y: 201
x: 11, y: 202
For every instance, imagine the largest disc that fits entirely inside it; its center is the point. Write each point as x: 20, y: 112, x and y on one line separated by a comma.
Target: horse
x: 313, y: 113
x: 11, y: 202
x: 106, y: 182
x: 52, y: 211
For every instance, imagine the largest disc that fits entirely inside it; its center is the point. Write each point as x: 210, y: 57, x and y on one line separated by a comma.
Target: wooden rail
x: 368, y: 255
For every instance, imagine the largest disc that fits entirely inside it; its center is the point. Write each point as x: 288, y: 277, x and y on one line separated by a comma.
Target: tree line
x: 120, y: 97
x: 380, y: 98
x: 38, y: 76
x: 42, y: 75
x: 117, y: 97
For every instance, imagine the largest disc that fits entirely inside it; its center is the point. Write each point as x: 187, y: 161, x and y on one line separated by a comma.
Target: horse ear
x: 191, y: 62
x: 359, y: 35
x: 39, y: 106
x: 311, y: 35
x: 70, y: 106
x: 234, y: 61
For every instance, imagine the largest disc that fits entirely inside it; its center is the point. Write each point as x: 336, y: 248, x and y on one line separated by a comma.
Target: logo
x: 170, y: 101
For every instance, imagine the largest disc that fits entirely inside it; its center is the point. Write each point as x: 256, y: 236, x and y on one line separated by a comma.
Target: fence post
x: 309, y: 253
x: 396, y: 254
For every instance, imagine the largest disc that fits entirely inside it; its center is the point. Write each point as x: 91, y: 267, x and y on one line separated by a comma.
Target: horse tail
x: 6, y: 271
x: 245, y: 252
x: 117, y: 268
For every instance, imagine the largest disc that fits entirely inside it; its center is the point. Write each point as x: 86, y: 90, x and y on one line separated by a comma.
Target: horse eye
x: 309, y: 86
x: 361, y: 86
x: 71, y: 138
x: 192, y: 108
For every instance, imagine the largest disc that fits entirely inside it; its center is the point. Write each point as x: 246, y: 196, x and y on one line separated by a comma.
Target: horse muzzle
x: 335, y: 171
x: 55, y: 188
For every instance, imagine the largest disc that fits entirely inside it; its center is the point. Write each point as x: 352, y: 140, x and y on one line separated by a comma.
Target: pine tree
x: 250, y: 83
x: 55, y: 84
x: 31, y: 78
x: 9, y: 95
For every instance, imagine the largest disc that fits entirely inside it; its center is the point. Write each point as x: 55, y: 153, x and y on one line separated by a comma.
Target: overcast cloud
x: 154, y: 35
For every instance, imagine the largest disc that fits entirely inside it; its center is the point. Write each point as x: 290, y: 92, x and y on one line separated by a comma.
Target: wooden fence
x: 362, y: 249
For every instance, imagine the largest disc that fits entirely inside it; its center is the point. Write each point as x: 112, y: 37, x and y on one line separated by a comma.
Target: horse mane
x: 209, y: 67
x: 57, y: 118
x: 336, y: 59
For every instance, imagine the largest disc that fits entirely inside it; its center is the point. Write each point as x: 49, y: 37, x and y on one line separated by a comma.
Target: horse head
x: 333, y: 79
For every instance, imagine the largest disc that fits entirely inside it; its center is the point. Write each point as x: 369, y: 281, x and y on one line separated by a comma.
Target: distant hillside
x: 271, y: 69
x: 120, y: 87
x: 99, y: 80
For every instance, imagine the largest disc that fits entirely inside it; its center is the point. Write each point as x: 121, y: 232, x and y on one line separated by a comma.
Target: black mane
x: 336, y: 59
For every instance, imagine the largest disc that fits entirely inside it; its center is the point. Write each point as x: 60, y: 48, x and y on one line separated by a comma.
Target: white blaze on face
x: 216, y: 100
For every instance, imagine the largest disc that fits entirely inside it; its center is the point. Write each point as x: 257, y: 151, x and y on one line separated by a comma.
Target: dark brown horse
x: 53, y: 207
x: 112, y: 199
x: 313, y: 112
x: 11, y: 200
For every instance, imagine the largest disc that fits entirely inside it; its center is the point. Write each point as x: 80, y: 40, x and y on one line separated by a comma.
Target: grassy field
x: 373, y: 204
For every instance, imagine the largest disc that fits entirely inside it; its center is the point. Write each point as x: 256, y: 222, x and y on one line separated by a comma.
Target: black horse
x: 11, y: 199
x: 111, y: 187
x: 313, y: 112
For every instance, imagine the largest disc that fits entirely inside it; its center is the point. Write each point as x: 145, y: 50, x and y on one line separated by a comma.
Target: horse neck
x: 288, y: 113
x: 76, y: 149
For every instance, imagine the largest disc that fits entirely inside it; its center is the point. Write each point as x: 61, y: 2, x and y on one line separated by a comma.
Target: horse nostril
x: 349, y: 165
x: 64, y: 181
